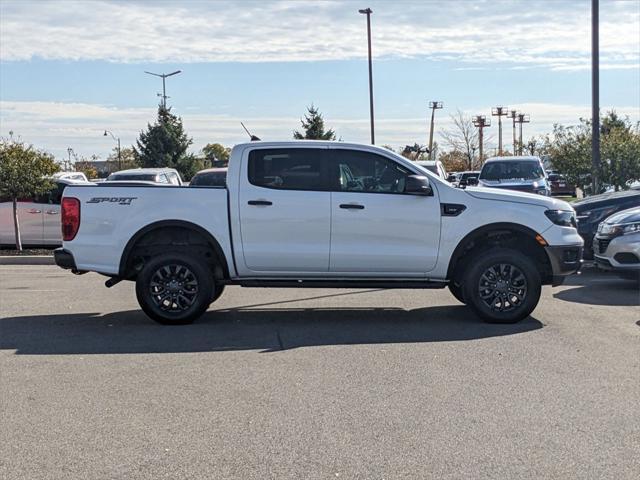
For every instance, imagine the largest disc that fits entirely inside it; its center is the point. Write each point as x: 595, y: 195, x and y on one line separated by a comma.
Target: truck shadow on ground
x: 595, y: 287
x: 264, y: 329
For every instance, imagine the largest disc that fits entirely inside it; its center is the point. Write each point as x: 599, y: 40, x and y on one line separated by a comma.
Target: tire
x: 183, y: 286
x: 503, y: 286
x: 216, y: 291
x: 456, y: 291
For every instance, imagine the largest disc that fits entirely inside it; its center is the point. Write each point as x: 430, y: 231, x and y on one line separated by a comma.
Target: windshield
x: 133, y: 176
x: 512, y: 170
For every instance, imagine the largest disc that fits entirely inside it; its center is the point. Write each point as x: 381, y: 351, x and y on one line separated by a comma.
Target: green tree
x: 189, y: 165
x: 216, y: 154
x: 570, y: 151
x: 313, y: 126
x: 164, y: 143
x: 24, y: 172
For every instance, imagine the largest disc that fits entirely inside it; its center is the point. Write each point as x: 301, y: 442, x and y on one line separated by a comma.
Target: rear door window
x: 288, y: 169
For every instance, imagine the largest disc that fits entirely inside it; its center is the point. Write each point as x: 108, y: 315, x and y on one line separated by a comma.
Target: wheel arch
x: 483, y: 235
x: 125, y: 258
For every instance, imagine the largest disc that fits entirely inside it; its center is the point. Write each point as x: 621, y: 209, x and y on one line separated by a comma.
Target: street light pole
x: 433, y: 106
x: 368, y: 12
x: 499, y: 112
x: 595, y: 95
x: 522, y: 118
x: 119, y: 150
x: 164, y: 89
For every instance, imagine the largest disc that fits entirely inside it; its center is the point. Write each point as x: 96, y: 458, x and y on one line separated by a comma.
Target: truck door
x: 377, y: 228
x: 285, y: 210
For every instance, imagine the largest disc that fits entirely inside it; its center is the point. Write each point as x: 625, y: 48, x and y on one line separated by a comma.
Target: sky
x: 71, y: 69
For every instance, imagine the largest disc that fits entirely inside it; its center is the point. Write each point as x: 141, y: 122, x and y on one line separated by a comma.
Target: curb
x: 27, y: 260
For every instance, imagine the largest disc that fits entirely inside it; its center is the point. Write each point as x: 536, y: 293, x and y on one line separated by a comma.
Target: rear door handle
x: 52, y: 212
x: 352, y: 206
x: 34, y: 210
x: 260, y: 202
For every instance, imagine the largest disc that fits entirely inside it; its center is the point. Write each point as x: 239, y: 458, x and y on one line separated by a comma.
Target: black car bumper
x: 564, y: 260
x: 64, y: 259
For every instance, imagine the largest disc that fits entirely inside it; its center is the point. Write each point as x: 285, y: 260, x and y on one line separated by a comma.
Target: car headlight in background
x: 564, y: 218
x: 619, y: 229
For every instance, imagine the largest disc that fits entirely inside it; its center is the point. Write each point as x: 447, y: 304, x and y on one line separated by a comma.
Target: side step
x: 339, y: 283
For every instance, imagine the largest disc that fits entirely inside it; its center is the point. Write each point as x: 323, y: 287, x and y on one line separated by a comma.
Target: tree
x: 216, y: 154
x: 85, y: 167
x: 454, y: 161
x: 313, y: 126
x: 462, y: 137
x: 128, y: 159
x: 570, y: 151
x: 24, y: 172
x: 189, y: 165
x: 164, y: 143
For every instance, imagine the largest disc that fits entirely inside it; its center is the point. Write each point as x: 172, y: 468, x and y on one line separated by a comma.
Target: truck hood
x: 495, y: 194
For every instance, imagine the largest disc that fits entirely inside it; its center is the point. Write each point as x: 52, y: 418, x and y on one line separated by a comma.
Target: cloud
x: 555, y: 35
x: 55, y: 126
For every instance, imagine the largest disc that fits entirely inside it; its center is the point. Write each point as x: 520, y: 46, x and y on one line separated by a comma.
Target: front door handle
x: 34, y: 210
x: 352, y: 206
x: 260, y: 202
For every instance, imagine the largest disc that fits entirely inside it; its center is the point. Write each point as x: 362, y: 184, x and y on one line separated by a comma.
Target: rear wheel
x: 503, y: 286
x: 174, y: 288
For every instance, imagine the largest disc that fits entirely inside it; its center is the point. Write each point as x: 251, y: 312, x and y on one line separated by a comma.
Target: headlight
x: 630, y: 228
x: 617, y: 230
x: 564, y: 218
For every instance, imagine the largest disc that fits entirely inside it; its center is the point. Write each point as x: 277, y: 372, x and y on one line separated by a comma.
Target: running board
x: 338, y: 283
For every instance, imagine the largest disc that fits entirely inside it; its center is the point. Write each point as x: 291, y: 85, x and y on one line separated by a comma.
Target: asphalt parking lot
x: 316, y: 384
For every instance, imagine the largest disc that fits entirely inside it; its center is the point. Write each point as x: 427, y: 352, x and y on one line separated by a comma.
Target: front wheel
x: 456, y: 291
x: 174, y: 288
x: 503, y: 286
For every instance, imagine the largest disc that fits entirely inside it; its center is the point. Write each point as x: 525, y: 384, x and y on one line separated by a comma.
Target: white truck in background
x: 320, y: 214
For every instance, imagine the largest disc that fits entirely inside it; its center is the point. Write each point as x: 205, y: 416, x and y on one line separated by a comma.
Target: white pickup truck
x: 320, y: 214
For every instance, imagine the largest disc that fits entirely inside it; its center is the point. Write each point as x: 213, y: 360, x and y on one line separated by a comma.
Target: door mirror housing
x: 418, y: 185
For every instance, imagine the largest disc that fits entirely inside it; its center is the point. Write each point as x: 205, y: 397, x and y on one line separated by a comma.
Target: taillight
x: 70, y: 218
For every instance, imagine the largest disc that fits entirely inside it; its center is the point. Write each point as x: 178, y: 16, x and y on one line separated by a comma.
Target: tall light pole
x: 118, y: 140
x: 499, y: 112
x: 433, y: 106
x: 513, y: 114
x: 68, y: 162
x: 163, y: 76
x: 522, y: 118
x: 595, y: 95
x: 481, y: 122
x: 368, y: 12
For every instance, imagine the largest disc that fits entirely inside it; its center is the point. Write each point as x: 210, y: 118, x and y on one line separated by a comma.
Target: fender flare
x: 124, y: 258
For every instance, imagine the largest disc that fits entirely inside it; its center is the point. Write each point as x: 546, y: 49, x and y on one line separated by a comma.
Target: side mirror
x: 418, y: 185
x: 472, y: 181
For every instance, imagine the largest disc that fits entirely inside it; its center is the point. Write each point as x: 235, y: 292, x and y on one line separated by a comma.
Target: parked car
x: 79, y: 176
x: 468, y: 179
x: 525, y: 174
x: 434, y: 166
x: 38, y: 217
x: 453, y: 177
x: 593, y: 210
x: 616, y: 246
x: 168, y: 176
x: 320, y: 214
x: 211, y: 177
x: 560, y: 186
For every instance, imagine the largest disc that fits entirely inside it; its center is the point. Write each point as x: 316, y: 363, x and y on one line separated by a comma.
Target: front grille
x: 603, y: 243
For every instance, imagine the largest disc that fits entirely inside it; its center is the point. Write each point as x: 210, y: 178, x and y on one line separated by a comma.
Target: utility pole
x: 368, y: 12
x: 499, y: 112
x: 164, y: 89
x: 522, y: 118
x: 595, y: 95
x: 513, y: 114
x: 481, y: 122
x: 434, y: 105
